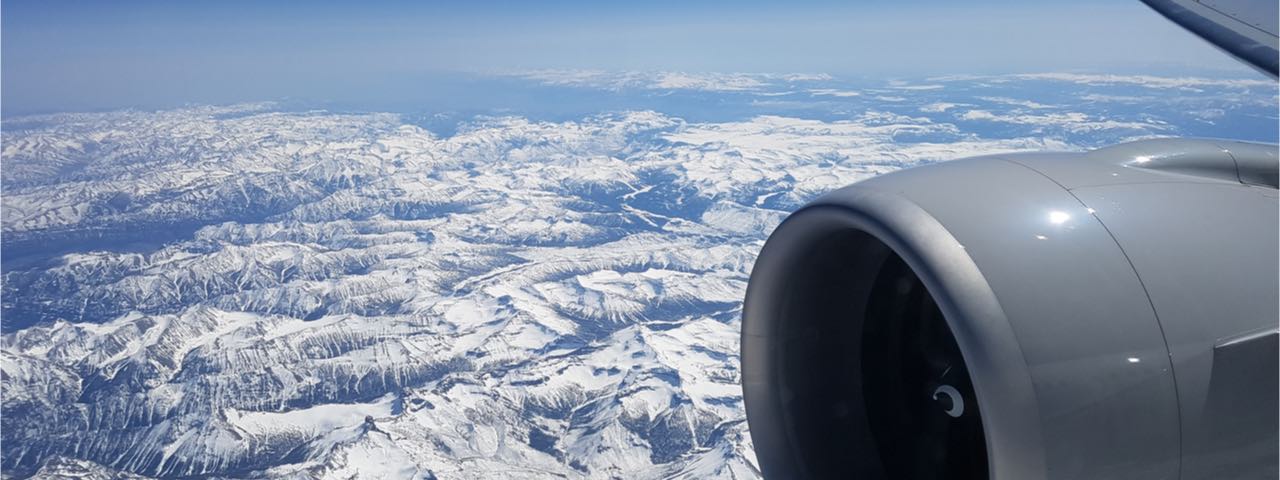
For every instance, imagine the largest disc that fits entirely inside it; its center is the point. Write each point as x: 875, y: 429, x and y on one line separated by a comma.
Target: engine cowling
x: 1109, y: 314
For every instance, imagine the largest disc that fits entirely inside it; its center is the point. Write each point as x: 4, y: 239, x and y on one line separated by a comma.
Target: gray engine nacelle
x: 1110, y: 314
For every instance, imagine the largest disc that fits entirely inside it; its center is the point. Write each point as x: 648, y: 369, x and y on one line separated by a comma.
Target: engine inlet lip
x: 1011, y: 421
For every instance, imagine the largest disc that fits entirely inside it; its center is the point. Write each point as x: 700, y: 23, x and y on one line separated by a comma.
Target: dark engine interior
x: 873, y: 382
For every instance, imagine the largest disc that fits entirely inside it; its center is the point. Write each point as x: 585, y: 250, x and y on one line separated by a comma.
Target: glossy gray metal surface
x: 1257, y: 164
x: 1207, y: 254
x: 1078, y: 310
x: 956, y: 284
x: 1198, y: 220
x: 1164, y: 160
x: 1117, y: 308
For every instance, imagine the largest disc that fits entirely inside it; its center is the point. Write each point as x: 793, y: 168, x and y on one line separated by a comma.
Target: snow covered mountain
x: 249, y: 291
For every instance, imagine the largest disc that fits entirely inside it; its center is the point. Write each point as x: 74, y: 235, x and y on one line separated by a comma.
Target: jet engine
x: 1106, y: 314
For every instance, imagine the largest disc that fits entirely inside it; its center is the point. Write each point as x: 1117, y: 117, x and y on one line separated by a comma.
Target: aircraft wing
x: 1247, y: 29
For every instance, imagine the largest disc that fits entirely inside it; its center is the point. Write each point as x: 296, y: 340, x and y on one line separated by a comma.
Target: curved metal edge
x: 1259, y: 55
x: 987, y: 341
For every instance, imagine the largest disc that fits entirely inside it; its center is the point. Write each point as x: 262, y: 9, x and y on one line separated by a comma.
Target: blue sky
x: 71, y: 55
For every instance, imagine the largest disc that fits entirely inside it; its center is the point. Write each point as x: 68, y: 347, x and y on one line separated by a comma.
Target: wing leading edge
x: 1247, y: 29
